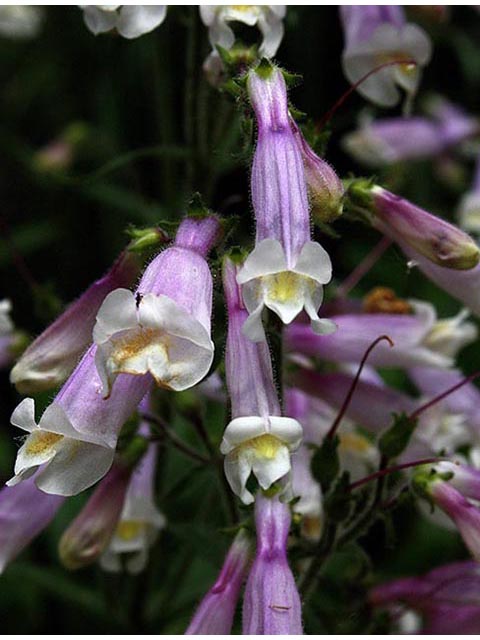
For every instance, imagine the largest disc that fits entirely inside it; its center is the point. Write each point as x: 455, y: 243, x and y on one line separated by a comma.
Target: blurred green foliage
x: 148, y: 132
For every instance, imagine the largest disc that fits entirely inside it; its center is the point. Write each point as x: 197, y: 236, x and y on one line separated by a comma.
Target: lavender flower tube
x: 286, y: 270
x: 446, y: 598
x: 411, y: 334
x: 375, y: 34
x: 214, y: 615
x: 258, y: 439
x: 271, y: 603
x: 51, y: 357
x: 75, y: 439
x: 24, y: 512
x: 164, y: 328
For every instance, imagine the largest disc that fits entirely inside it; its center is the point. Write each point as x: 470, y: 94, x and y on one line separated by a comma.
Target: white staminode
x: 387, y: 44
x: 73, y: 461
x: 267, y: 281
x: 152, y: 335
x: 268, y: 18
x: 261, y: 446
x: 136, y: 532
x: 131, y: 21
x: 6, y: 325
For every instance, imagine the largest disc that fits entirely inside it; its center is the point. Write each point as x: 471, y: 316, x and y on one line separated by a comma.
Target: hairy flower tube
x: 140, y: 520
x: 377, y: 34
x: 90, y: 533
x: 446, y: 598
x: 130, y: 21
x: 413, y: 337
x: 437, y: 487
x: 325, y: 189
x: 51, y: 357
x: 258, y: 439
x: 271, y: 602
x: 164, y: 327
x: 75, y: 439
x: 439, y: 241
x: 24, y: 512
x: 286, y: 270
x: 214, y: 614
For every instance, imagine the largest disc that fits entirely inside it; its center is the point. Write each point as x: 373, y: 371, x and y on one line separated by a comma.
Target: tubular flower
x: 74, y: 441
x: 214, y: 615
x: 24, y: 512
x: 309, y: 504
x: 325, y: 189
x: 390, y: 140
x: 415, y: 338
x: 286, y: 271
x: 258, y: 439
x: 51, y: 357
x: 271, y: 602
x: 268, y: 18
x: 164, y: 328
x: 446, y: 598
x: 91, y: 531
x: 375, y: 35
x: 140, y: 520
x: 469, y: 208
x: 437, y: 484
x: 442, y: 243
x: 130, y: 21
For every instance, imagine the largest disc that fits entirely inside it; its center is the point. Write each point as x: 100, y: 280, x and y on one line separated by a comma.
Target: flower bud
x: 90, y: 533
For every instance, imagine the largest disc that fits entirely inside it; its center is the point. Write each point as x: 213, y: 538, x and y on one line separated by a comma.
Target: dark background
x: 60, y: 230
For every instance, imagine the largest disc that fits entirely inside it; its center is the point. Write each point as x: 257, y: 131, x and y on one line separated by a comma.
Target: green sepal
x: 338, y: 504
x: 394, y: 441
x: 325, y: 464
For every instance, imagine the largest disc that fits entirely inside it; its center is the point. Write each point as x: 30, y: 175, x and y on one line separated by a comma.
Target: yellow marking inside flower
x: 130, y: 529
x: 265, y: 446
x: 243, y: 8
x: 354, y: 442
x: 41, y: 441
x: 407, y: 68
x: 132, y: 342
x: 284, y: 286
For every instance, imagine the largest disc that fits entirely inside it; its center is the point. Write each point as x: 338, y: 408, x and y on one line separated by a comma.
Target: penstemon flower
x: 376, y: 34
x: 258, y: 439
x: 271, y: 603
x: 140, y: 520
x: 130, y: 21
x: 286, y: 270
x: 51, y: 357
x: 214, y: 615
x: 74, y: 441
x: 24, y: 512
x: 164, y: 328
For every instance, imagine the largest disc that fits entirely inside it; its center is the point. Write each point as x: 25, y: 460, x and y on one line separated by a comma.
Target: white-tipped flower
x: 164, y: 328
x: 130, y: 21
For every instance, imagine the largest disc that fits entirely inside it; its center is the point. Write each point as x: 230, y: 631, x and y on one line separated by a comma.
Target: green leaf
x: 325, y: 464
x: 394, y: 441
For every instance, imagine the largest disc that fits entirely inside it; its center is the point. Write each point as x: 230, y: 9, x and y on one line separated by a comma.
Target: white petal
x: 314, y: 262
x: 76, y: 467
x: 272, y: 30
x: 241, y: 429
x: 136, y: 20
x: 24, y: 415
x: 237, y: 471
x: 208, y: 13
x: 253, y: 326
x: 268, y: 257
x: 99, y: 20
x: 269, y: 470
x: 117, y: 313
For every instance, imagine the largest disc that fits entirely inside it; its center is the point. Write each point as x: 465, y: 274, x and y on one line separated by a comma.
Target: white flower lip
x: 267, y: 281
x: 131, y: 21
x: 73, y: 462
x: 157, y: 336
x: 242, y: 429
